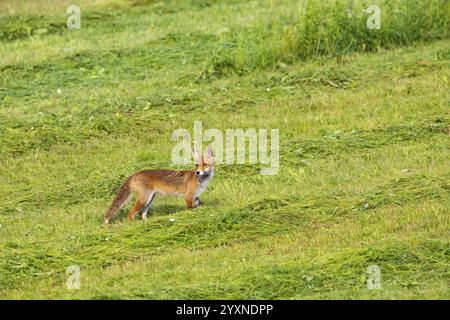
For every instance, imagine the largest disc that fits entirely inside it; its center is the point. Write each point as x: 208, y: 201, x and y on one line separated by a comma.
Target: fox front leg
x: 189, y: 199
x: 192, y: 201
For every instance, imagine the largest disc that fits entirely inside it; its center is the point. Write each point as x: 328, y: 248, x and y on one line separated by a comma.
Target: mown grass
x: 364, y: 128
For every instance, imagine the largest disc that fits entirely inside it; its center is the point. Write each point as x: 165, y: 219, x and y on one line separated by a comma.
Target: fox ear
x: 209, y: 151
x: 196, y: 155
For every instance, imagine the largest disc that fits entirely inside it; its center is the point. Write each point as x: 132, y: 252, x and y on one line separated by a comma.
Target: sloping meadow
x: 363, y: 115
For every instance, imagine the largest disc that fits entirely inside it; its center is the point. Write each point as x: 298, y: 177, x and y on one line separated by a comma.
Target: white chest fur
x: 202, y: 186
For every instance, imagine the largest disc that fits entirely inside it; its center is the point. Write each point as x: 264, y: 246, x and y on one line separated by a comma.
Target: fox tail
x: 122, y: 197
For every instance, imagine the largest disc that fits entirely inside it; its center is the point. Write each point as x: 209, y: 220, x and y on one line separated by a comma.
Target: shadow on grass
x: 158, y: 210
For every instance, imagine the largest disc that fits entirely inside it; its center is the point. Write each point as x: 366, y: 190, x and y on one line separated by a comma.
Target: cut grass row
x: 40, y: 118
x: 291, y: 29
x: 71, y: 190
x: 196, y: 230
x: 284, y: 266
x: 29, y: 256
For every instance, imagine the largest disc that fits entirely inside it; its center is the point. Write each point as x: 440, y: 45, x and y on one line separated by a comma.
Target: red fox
x: 145, y: 185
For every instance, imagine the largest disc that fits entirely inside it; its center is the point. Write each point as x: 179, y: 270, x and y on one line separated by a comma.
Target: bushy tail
x: 123, y: 195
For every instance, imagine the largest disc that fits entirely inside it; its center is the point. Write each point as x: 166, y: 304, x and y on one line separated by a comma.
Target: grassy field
x: 364, y: 125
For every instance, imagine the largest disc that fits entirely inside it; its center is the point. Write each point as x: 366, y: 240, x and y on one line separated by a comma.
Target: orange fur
x: 146, y: 184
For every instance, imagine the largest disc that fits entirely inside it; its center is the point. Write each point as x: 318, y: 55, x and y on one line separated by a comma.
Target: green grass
x: 364, y: 133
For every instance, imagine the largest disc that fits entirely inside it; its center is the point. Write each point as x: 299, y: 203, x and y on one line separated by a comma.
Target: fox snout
x: 201, y: 173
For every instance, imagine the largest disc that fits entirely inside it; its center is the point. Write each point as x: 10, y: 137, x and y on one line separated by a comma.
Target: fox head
x: 204, y: 164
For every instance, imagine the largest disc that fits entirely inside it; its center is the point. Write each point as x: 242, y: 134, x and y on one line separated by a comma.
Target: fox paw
x: 197, y: 202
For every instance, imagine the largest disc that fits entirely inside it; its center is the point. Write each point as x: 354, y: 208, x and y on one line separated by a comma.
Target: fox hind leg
x: 140, y: 203
x: 147, y: 205
x: 137, y: 206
